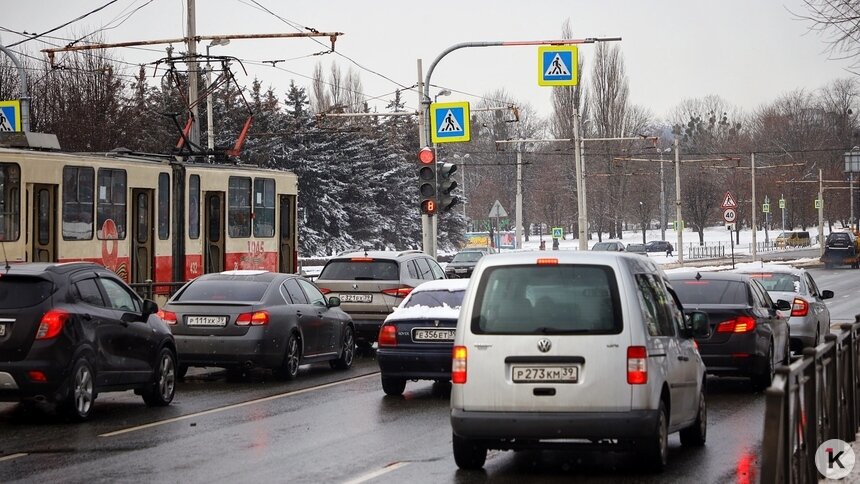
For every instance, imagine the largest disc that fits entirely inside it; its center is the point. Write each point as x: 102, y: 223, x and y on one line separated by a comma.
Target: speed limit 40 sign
x: 729, y: 215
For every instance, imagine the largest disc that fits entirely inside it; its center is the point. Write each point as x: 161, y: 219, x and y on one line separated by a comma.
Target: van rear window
x: 558, y: 299
x: 23, y: 291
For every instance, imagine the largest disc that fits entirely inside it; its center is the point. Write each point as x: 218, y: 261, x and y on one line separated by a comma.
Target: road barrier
x: 814, y: 399
x: 706, y: 252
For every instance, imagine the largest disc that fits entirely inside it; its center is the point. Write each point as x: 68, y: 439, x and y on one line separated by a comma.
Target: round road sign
x: 729, y: 215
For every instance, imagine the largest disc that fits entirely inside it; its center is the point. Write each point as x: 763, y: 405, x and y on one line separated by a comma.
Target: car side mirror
x: 698, y: 325
x: 782, y: 305
x: 333, y: 302
x: 149, y: 307
x: 826, y: 294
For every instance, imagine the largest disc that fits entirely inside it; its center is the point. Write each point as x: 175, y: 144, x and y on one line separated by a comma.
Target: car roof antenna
x: 698, y: 276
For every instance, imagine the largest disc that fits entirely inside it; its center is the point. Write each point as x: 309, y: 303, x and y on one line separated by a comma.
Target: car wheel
x: 656, y: 447
x: 468, y: 454
x: 160, y: 392
x: 290, y: 367
x: 695, y: 435
x: 347, y: 352
x: 764, y: 378
x: 78, y: 404
x: 393, y: 386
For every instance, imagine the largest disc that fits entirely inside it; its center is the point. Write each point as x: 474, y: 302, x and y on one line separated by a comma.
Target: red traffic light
x: 428, y: 207
x: 426, y: 155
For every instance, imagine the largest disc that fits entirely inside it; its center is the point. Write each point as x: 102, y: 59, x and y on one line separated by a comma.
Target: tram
x: 146, y: 217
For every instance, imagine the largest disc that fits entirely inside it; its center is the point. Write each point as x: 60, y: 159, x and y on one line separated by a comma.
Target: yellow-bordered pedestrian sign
x: 558, y: 65
x: 10, y: 116
x: 557, y: 232
x: 450, y: 122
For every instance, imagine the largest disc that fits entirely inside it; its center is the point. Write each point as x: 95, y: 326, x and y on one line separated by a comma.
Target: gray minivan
x: 578, y: 347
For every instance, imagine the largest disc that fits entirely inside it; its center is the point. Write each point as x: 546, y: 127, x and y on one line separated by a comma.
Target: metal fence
x: 705, y: 251
x: 149, y: 289
x: 815, y: 399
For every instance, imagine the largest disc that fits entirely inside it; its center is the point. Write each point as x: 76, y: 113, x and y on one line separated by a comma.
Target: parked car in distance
x: 71, y: 331
x: 371, y: 284
x: 792, y: 239
x: 748, y: 335
x: 636, y: 249
x: 554, y: 348
x: 247, y: 319
x: 659, y: 246
x: 809, y: 320
x: 415, y: 340
x: 841, y: 248
x: 612, y: 245
x: 463, y: 263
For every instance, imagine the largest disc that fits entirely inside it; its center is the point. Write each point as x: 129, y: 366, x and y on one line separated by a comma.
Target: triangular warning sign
x: 450, y: 124
x: 729, y: 201
x: 557, y: 67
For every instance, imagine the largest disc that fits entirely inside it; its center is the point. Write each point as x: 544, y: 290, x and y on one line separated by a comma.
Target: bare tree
x: 838, y: 22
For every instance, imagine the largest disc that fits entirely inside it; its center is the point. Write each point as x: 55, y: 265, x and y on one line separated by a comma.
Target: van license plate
x: 206, y: 321
x: 358, y: 298
x: 2, y: 330
x: 432, y: 334
x: 545, y: 374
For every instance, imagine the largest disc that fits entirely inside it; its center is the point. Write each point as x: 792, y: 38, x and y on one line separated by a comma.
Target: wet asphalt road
x: 333, y: 426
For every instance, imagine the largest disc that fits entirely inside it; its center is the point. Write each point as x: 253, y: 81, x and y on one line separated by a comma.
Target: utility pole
x: 662, y: 200
x: 679, y: 221
x: 820, y: 213
x: 582, y: 220
x: 191, y: 43
x: 519, y: 203
x: 754, y: 207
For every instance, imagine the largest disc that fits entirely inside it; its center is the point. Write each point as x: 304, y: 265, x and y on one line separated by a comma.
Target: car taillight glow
x: 258, y: 318
x: 398, y: 292
x: 362, y: 259
x: 637, y: 365
x: 325, y: 290
x: 37, y: 376
x: 799, y: 307
x: 52, y: 323
x: 545, y: 261
x: 458, y: 365
x: 741, y: 324
x: 168, y: 317
x: 387, y: 336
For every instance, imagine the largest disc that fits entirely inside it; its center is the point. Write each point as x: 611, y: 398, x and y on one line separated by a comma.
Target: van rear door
x: 546, y: 337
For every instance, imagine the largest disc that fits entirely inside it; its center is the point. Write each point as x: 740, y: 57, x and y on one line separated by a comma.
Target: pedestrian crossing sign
x: 450, y: 122
x: 10, y: 116
x: 558, y: 65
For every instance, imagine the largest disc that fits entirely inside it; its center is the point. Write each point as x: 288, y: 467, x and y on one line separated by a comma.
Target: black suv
x: 70, y: 331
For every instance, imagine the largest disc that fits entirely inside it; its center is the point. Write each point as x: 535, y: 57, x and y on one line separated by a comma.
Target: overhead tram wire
x: 81, y: 17
x: 108, y: 25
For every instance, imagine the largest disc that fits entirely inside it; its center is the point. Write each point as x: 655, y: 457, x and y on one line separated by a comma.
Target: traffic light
x: 446, y: 186
x: 427, y: 180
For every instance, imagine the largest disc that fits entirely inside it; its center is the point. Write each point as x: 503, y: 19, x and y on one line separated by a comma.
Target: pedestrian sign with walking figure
x: 10, y: 116
x: 450, y: 122
x: 558, y: 65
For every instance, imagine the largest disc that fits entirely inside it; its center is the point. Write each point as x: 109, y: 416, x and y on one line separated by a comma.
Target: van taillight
x: 398, y: 292
x: 387, y: 336
x: 637, y: 365
x: 168, y: 317
x: 799, y: 307
x: 741, y: 324
x: 52, y: 323
x: 259, y: 318
x: 458, y: 365
x: 546, y: 261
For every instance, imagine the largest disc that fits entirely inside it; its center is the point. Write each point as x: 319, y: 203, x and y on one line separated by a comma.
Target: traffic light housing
x: 447, y: 185
x: 427, y: 180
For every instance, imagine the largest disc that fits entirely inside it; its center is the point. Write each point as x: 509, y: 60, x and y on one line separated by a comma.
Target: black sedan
x: 71, y: 331
x: 247, y: 319
x: 748, y: 335
x: 416, y: 340
x: 463, y: 263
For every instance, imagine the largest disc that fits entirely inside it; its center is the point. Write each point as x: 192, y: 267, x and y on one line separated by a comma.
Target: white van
x: 576, y: 348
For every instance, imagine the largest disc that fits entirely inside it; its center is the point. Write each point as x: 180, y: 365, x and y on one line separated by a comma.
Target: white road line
x: 236, y: 405
x: 12, y: 456
x: 377, y: 473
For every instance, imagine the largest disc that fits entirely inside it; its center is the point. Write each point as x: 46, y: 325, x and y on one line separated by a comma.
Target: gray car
x: 246, y: 319
x: 809, y: 320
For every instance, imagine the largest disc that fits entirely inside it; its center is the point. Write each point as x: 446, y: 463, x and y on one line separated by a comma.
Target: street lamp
x: 443, y: 92
x: 210, y: 124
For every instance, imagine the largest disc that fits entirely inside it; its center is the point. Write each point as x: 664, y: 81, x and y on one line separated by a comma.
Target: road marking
x: 235, y: 405
x: 377, y: 473
x: 12, y: 456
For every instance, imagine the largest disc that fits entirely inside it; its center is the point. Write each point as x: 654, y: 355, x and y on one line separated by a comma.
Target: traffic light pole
x: 428, y: 226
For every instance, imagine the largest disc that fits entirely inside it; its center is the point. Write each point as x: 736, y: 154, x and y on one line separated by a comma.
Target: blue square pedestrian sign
x: 558, y: 65
x: 10, y: 116
x: 450, y: 122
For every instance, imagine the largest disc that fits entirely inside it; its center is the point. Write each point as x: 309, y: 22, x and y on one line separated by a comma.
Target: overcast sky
x: 747, y: 51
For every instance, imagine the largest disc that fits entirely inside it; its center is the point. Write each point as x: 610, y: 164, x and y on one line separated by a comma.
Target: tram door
x: 286, y: 263
x: 44, y: 223
x: 142, y: 246
x: 213, y: 256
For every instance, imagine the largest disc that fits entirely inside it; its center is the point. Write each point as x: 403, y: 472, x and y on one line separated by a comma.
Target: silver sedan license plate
x: 206, y: 320
x: 545, y: 374
x: 432, y: 334
x: 358, y: 298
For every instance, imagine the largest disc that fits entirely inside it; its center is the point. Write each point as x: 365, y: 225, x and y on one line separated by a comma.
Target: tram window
x: 163, y: 206
x: 194, y: 206
x: 78, y: 194
x: 239, y: 207
x: 10, y: 201
x: 111, y: 206
x: 43, y: 200
x: 264, y: 207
